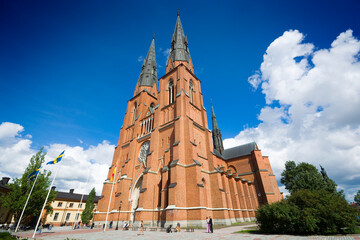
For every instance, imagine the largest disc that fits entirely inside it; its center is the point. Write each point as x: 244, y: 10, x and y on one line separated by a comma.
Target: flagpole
x: 112, y: 188
x: 57, y: 169
x: 27, y: 200
x: 82, y: 196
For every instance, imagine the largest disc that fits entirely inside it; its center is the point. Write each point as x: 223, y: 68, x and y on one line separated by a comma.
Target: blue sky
x: 68, y: 68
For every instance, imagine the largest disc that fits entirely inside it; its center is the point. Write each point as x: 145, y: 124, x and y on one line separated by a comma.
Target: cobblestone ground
x: 224, y: 233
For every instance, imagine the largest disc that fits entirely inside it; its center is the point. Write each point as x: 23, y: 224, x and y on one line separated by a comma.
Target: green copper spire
x: 179, y: 45
x: 216, y: 134
x: 148, y: 75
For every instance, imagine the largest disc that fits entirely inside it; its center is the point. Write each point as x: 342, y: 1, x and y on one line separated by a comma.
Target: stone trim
x: 166, y: 127
x: 130, y: 126
x: 270, y: 193
x: 204, y: 171
x: 202, y: 157
x: 249, y: 173
x: 125, y: 145
x: 193, y: 143
x: 144, y: 137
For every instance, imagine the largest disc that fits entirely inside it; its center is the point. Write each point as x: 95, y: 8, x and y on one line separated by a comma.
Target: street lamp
x: 117, y: 224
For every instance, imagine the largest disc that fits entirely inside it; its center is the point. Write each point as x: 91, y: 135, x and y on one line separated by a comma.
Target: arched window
x: 171, y: 92
x: 134, y: 116
x: 191, y: 92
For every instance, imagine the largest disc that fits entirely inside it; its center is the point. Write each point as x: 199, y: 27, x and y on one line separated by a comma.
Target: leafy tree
x: 357, y: 198
x: 308, y: 212
x: 88, y: 212
x: 21, y: 187
x: 305, y: 176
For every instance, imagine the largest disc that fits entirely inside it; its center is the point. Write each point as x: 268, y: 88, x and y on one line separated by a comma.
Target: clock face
x: 144, y: 150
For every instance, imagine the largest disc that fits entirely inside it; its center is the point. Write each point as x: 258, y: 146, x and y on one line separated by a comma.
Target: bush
x: 6, y: 236
x: 308, y: 212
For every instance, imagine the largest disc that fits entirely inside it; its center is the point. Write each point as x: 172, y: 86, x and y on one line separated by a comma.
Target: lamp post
x: 117, y: 224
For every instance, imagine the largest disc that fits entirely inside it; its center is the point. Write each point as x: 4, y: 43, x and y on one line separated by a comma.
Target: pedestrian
x: 211, y: 224
x: 141, y: 228
x: 207, y: 225
x: 92, y: 225
x: 178, y: 229
x: 111, y: 223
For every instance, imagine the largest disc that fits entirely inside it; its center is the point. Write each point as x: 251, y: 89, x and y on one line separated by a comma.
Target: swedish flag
x: 58, y: 159
x: 34, y: 173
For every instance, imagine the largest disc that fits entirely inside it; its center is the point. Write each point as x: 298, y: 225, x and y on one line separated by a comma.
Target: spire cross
x: 178, y: 12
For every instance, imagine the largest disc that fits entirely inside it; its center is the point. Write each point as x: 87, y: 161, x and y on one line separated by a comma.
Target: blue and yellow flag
x: 34, y: 173
x: 58, y: 159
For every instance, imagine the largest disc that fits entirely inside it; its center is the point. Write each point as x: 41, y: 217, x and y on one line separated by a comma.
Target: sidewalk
x: 224, y: 233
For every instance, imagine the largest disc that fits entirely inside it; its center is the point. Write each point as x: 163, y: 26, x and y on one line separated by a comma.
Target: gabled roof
x: 239, y: 151
x: 74, y: 196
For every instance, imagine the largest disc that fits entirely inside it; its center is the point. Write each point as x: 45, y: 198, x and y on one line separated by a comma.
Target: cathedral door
x: 135, y: 198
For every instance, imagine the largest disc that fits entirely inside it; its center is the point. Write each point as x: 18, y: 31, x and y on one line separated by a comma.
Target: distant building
x: 65, y: 208
x: 168, y: 167
x: 5, y: 216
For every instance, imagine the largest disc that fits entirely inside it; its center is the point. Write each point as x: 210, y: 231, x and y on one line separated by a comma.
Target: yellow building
x: 67, y: 208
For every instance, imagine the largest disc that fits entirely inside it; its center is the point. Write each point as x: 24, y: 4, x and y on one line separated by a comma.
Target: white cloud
x: 166, y: 52
x: 140, y: 59
x: 312, y: 112
x: 77, y: 166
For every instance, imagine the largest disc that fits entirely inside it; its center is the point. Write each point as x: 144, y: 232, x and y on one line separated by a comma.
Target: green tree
x: 308, y: 212
x: 305, y: 176
x: 357, y: 198
x: 20, y: 189
x: 88, y: 212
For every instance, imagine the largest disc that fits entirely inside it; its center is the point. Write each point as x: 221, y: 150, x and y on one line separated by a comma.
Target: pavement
x: 62, y: 233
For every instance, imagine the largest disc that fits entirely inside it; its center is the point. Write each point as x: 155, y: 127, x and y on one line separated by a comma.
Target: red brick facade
x: 181, y: 178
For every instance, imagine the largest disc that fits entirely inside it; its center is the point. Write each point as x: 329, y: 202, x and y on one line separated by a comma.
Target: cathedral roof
x: 179, y: 45
x: 238, y: 151
x: 148, y: 75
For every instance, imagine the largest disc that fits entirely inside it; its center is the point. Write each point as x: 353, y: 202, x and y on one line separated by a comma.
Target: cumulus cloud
x: 312, y: 106
x: 81, y: 169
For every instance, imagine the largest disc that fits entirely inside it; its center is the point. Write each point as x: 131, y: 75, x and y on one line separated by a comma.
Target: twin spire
x: 148, y: 75
x: 179, y: 51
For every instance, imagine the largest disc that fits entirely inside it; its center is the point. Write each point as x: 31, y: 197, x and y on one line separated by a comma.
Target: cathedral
x: 168, y: 167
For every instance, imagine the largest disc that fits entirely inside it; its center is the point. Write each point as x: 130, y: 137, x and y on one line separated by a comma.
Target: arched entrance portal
x: 135, y: 198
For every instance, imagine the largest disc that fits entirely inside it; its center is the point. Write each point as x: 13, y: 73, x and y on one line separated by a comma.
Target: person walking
x: 141, y: 228
x: 207, y: 225
x: 211, y: 224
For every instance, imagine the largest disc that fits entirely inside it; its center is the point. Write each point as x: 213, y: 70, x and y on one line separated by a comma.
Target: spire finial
x: 178, y: 12
x: 154, y: 35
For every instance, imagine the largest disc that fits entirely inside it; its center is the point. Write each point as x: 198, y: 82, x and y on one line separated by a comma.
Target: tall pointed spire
x: 148, y: 75
x: 216, y: 134
x: 179, y: 50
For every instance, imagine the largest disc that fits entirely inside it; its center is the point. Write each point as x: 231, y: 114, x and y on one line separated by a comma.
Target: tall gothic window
x: 191, y: 92
x: 134, y: 116
x: 171, y: 92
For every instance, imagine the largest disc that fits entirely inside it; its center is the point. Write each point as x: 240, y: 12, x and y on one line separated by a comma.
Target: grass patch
x: 253, y: 231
